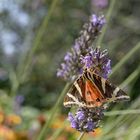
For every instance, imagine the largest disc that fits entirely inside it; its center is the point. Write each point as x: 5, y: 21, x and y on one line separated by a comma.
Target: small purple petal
x: 94, y: 19
x: 98, y: 21
x: 77, y: 48
x: 72, y: 120
x: 19, y: 99
x: 87, y: 61
x: 90, y: 125
x: 80, y: 115
x: 86, y: 119
x: 100, y: 3
x: 64, y: 66
x: 70, y: 116
x: 59, y: 73
x: 68, y: 56
x: 74, y: 124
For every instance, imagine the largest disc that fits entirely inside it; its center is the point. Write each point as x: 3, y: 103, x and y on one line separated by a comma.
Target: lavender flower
x: 86, y: 120
x: 17, y: 103
x: 75, y: 61
x: 71, y: 66
x: 98, y: 61
x: 100, y: 3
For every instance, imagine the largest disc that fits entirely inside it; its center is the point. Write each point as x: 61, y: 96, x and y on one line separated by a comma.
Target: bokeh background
x: 34, y: 37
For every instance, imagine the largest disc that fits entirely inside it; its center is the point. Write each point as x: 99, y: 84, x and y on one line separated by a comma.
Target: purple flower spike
x: 71, y: 118
x: 80, y: 115
x: 86, y: 119
x: 98, y: 61
x: 71, y: 67
x: 98, y: 22
x: 94, y: 20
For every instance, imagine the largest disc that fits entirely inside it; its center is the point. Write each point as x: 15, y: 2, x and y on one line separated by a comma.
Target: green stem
x: 14, y: 82
x: 108, y: 15
x: 43, y: 132
x: 126, y: 58
x: 81, y: 136
x: 36, y: 43
x: 131, y: 77
x: 123, y: 112
x: 57, y: 133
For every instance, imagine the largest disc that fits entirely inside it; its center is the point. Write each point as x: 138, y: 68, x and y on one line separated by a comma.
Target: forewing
x: 75, y: 94
x: 109, y: 90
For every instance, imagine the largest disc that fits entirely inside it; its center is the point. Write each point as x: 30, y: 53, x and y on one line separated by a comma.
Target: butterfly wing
x: 83, y: 93
x: 92, y: 95
x: 75, y: 94
x: 109, y: 91
x: 91, y: 90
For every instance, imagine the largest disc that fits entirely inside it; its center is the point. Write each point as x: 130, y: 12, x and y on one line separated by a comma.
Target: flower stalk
x: 81, y: 136
x: 108, y: 16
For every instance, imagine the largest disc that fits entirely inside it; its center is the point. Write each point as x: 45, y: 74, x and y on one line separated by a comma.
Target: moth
x: 90, y: 90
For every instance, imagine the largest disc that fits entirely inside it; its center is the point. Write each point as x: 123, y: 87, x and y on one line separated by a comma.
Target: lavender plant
x: 86, y: 120
x: 82, y: 56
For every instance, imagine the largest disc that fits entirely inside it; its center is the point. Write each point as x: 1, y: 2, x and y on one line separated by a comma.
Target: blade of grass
x: 123, y: 112
x: 108, y: 16
x: 36, y: 44
x: 131, y: 77
x: 125, y: 58
x: 44, y: 131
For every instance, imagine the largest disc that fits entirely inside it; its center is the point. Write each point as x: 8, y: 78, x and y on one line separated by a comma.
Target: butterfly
x: 90, y: 90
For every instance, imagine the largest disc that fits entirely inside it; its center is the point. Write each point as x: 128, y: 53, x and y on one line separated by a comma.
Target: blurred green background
x: 33, y: 43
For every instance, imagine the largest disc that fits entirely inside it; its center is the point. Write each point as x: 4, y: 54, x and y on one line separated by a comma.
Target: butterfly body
x: 90, y: 90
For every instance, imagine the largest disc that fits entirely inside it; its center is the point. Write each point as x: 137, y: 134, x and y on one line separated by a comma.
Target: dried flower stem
x: 81, y: 136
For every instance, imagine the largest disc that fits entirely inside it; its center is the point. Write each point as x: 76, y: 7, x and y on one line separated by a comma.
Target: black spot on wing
x: 97, y: 100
